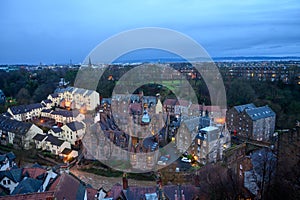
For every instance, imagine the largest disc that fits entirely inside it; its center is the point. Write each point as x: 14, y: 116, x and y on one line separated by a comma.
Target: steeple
x: 90, y: 62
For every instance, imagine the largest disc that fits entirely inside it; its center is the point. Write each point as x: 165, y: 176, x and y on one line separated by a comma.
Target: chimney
x: 125, y: 181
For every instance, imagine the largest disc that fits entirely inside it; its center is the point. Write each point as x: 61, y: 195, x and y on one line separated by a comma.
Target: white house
x: 54, y: 98
x: 25, y: 112
x: 7, y: 160
x: 79, y: 98
x: 73, y: 131
x: 55, y: 145
x: 10, y: 178
x: 18, y: 133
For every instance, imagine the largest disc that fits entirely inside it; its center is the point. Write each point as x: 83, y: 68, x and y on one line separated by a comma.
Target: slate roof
x: 25, y: 108
x: 192, y: 123
x: 54, y: 95
x: 65, y: 113
x: 260, y: 112
x: 54, y: 140
x: 241, y: 108
x: 13, y: 174
x: 47, y: 101
x: 10, y: 156
x: 66, y: 151
x: 56, y: 129
x: 14, y: 126
x: 39, y: 137
x: 28, y: 185
x: 74, y: 126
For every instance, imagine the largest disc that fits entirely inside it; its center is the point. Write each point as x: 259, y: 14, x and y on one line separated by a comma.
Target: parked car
x: 184, y: 159
x: 160, y: 162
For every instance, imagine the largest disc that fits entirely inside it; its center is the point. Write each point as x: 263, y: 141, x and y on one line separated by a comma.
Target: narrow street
x: 97, y: 181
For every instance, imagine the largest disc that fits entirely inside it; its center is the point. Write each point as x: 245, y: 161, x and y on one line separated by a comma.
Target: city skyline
x: 56, y: 32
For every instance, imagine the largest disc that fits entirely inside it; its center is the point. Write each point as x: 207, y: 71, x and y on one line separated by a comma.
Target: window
x: 4, y: 182
x: 8, y: 182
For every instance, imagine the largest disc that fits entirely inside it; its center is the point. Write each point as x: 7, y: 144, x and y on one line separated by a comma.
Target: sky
x: 57, y: 31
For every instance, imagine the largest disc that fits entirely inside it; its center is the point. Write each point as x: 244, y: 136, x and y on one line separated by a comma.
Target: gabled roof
x: 192, y: 123
x: 33, y: 172
x: 54, y: 95
x: 14, y: 126
x: 67, y: 186
x: 39, y: 137
x: 10, y: 156
x: 260, y: 112
x: 47, y: 101
x: 65, y: 113
x: 74, y: 126
x: 13, y: 174
x: 56, y: 129
x: 54, y: 140
x: 241, y: 108
x: 135, y: 192
x: 28, y: 185
x: 189, y: 191
x: 25, y: 108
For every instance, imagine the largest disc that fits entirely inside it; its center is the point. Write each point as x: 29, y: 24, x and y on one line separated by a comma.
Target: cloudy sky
x: 55, y: 31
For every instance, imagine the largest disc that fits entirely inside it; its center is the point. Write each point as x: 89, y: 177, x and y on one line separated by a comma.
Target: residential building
x: 63, y: 116
x: 73, y: 131
x: 55, y: 99
x: 51, y: 143
x: 26, y: 112
x: 79, y: 98
x: 18, y: 133
x: 251, y: 122
x: 10, y: 179
x: 7, y: 161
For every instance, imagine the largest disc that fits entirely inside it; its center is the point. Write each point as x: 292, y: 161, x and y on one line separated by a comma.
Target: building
x: 7, y: 161
x: 78, y: 98
x: 26, y: 112
x: 73, y: 131
x: 251, y: 122
x: 50, y: 143
x: 63, y: 116
x: 18, y: 133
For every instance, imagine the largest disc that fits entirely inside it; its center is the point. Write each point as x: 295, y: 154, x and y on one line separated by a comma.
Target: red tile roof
x: 33, y: 196
x: 91, y: 193
x: 33, y: 172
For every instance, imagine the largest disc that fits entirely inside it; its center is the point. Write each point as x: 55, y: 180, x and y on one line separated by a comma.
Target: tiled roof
x: 14, y: 126
x: 25, y: 108
x: 39, y: 137
x: 135, y: 192
x: 10, y: 156
x: 33, y: 172
x: 74, y: 126
x: 115, y: 191
x: 189, y: 191
x: 91, y: 193
x: 67, y: 186
x: 54, y: 140
x: 28, y: 185
x: 31, y: 196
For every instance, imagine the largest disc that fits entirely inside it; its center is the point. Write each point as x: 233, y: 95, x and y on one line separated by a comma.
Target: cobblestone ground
x: 97, y: 181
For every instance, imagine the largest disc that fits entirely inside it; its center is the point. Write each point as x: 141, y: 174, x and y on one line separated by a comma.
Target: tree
x: 23, y: 96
